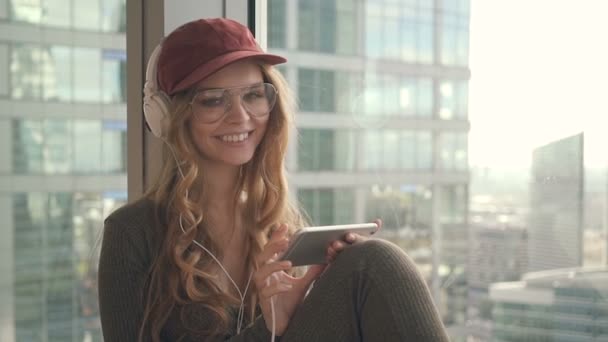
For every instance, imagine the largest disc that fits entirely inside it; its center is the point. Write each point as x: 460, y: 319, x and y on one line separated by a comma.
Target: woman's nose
x: 236, y: 111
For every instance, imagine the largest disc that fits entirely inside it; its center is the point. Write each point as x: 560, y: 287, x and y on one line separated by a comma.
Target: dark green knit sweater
x: 371, y: 292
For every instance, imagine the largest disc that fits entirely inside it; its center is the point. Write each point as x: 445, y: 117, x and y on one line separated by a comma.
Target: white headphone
x: 156, y: 102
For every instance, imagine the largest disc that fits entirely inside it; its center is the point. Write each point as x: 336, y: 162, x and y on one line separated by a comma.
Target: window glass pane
x: 307, y: 22
x: 344, y: 205
x: 26, y: 10
x: 88, y: 17
x: 425, y: 43
x: 306, y: 198
x: 4, y: 70
x: 346, y: 31
x: 407, y: 159
x: 25, y: 71
x: 87, y: 146
x: 307, y: 149
x: 374, y: 37
x: 277, y: 28
x: 326, y: 91
x: 326, y: 151
x: 425, y: 97
x: 114, y: 76
x: 306, y: 89
x: 344, y: 150
x: 391, y: 150
x: 27, y: 146
x: 113, y: 16
x: 424, y: 150
x: 327, y: 26
x: 57, y: 13
x: 4, y: 9
x: 326, y: 207
x: 373, y: 153
x: 57, y: 75
x: 87, y: 79
x: 57, y: 150
x: 27, y: 209
x: 408, y: 40
x: 114, y: 139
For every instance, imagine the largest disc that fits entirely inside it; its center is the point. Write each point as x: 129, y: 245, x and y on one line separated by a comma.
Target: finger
x: 267, y: 269
x: 338, y: 245
x: 313, y: 273
x: 353, y: 238
x: 279, y: 232
x: 331, y: 255
x: 274, y: 289
x: 272, y: 247
x: 378, y: 222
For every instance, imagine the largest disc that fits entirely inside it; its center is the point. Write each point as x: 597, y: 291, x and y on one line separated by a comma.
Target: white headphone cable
x: 242, y: 295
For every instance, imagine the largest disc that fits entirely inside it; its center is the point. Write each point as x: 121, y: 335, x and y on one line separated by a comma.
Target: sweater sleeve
x: 121, y: 280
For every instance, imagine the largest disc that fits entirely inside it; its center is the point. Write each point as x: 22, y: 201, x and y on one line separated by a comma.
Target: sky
x: 539, y: 72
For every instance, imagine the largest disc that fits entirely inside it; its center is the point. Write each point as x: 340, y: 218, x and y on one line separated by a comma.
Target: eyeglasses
x: 212, y: 105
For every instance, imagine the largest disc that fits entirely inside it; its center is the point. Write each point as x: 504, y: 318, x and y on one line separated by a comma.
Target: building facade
x: 62, y: 161
x: 556, y: 305
x: 498, y: 254
x: 556, y: 205
x: 382, y: 123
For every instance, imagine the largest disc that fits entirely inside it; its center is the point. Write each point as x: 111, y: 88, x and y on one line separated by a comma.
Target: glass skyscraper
x: 62, y: 160
x: 382, y: 124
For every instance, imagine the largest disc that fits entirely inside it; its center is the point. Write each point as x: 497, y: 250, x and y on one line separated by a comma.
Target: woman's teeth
x: 234, y: 137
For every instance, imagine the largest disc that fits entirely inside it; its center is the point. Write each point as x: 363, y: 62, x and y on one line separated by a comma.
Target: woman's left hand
x: 338, y: 246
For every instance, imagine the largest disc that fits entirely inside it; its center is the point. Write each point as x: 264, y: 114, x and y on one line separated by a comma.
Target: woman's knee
x: 377, y: 256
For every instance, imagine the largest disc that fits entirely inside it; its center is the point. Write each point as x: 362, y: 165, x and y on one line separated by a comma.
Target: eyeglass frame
x: 228, y: 107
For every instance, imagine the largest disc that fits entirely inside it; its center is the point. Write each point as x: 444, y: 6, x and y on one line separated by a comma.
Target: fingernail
x: 350, y: 237
x: 286, y: 263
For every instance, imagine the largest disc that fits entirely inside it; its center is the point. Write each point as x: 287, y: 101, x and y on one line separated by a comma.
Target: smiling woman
x: 196, y: 257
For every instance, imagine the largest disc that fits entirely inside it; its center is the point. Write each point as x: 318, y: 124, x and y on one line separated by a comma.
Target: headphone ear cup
x: 156, y: 108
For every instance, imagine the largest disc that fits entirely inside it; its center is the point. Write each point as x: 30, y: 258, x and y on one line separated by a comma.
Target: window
x: 317, y: 90
x: 26, y: 10
x: 455, y: 33
x: 399, y: 30
x: 322, y: 149
x: 87, y: 80
x: 57, y: 13
x: 88, y: 17
x: 4, y: 70
x: 25, y: 71
x: 114, y: 69
x: 327, y: 206
x: 113, y: 16
x: 277, y: 28
x: 454, y: 151
x: 454, y: 99
x: 57, y: 76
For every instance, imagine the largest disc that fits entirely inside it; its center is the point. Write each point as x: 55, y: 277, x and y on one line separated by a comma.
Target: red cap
x: 199, y: 48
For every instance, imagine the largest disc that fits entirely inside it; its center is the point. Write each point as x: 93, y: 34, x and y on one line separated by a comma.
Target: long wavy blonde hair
x: 181, y: 274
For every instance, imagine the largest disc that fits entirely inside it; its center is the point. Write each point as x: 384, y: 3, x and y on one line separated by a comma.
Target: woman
x: 195, y: 258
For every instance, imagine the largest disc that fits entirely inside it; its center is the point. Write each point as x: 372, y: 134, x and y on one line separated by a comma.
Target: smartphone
x: 309, y: 245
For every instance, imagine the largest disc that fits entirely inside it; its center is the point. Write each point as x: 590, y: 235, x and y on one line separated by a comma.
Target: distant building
x: 556, y: 205
x: 556, y: 305
x: 498, y: 253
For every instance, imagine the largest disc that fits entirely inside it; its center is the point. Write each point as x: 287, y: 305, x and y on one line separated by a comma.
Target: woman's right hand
x: 272, y: 281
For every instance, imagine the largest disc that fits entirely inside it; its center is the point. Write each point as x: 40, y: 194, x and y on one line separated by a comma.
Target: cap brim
x: 207, y: 69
